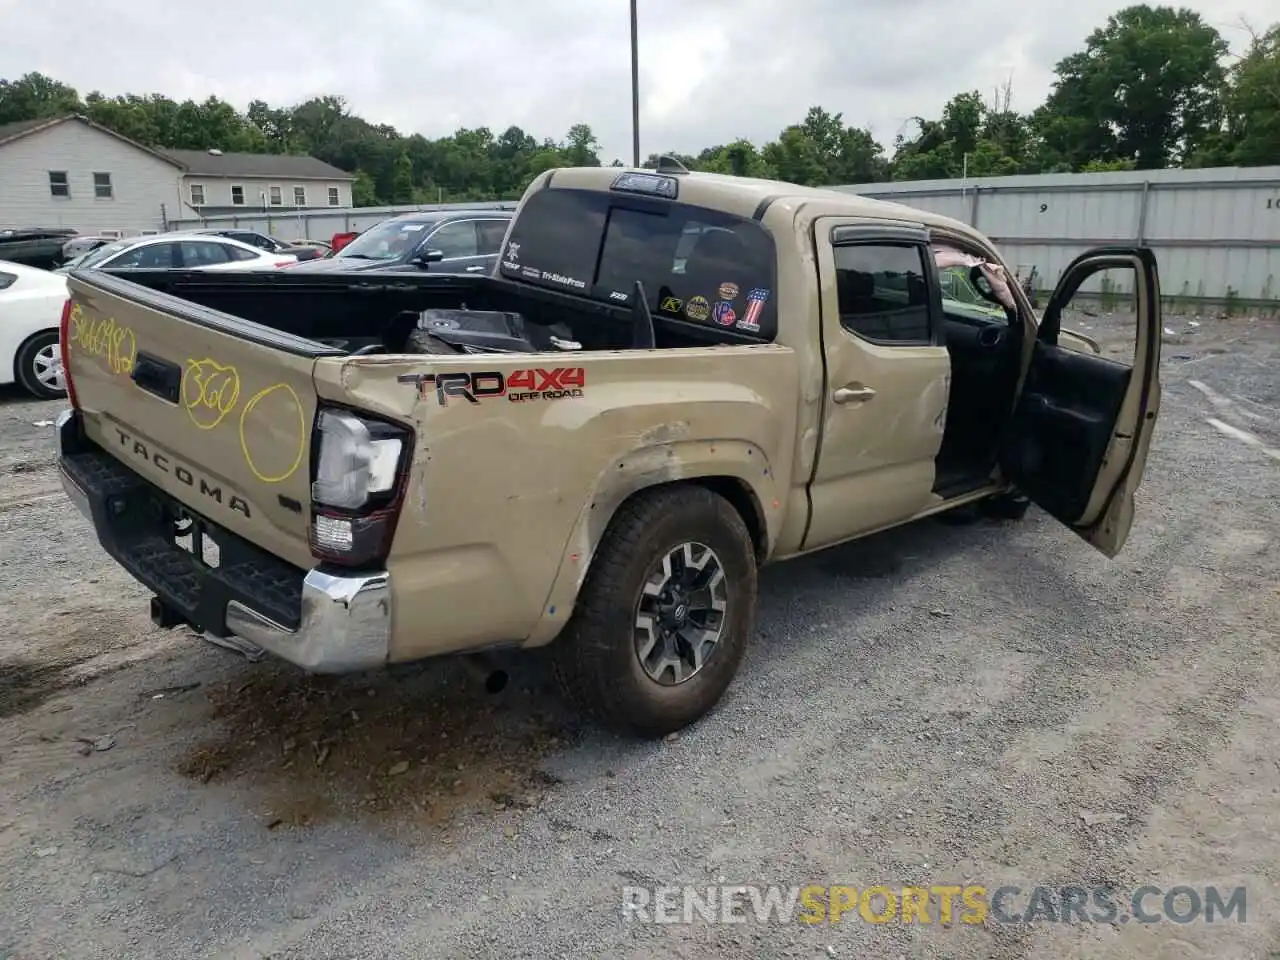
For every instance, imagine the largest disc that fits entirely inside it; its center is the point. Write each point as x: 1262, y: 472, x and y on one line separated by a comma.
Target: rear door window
x: 883, y: 292
x: 697, y: 265
x: 203, y: 253
x: 491, y: 233
x: 455, y: 240
x: 151, y: 256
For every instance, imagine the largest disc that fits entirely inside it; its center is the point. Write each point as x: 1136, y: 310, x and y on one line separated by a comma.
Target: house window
x: 334, y: 197
x: 237, y: 195
x: 197, y: 194
x: 58, y: 185
x: 102, y: 186
x: 299, y: 196
x: 277, y: 198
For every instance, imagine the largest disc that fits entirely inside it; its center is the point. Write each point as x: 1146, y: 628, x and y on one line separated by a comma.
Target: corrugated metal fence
x: 1216, y: 232
x: 323, y: 223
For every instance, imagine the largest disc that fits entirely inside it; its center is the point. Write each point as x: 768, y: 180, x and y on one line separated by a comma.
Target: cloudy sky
x: 710, y: 70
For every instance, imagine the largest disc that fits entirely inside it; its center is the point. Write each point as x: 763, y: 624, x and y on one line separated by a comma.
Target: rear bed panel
x: 219, y: 421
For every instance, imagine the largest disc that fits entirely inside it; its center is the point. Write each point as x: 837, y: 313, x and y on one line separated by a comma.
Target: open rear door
x: 1078, y: 441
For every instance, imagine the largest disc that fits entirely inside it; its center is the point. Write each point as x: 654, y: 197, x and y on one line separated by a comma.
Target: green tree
x: 401, y: 188
x: 740, y: 159
x: 1148, y: 87
x: 364, y: 192
x: 34, y: 96
x: 796, y: 158
x: 581, y: 148
x: 1251, y: 136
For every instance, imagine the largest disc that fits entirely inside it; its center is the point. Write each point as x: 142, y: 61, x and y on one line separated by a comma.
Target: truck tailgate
x: 214, y: 410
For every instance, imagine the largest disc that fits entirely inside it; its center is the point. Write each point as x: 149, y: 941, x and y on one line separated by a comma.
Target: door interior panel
x: 984, y: 370
x: 1062, y: 426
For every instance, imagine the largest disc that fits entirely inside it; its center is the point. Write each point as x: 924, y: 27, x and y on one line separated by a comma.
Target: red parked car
x: 340, y: 240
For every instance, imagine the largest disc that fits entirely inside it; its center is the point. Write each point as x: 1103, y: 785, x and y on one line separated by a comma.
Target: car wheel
x: 38, y: 367
x: 664, y: 616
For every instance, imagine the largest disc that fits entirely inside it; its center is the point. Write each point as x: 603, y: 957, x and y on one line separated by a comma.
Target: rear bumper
x: 323, y: 621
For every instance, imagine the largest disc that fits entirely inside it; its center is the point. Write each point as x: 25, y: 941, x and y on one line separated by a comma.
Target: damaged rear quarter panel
x: 512, y: 489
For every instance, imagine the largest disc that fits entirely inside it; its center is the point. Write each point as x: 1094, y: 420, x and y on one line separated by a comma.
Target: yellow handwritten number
x: 105, y: 339
x: 209, y: 391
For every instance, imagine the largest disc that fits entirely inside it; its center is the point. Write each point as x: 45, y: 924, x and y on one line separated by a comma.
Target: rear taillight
x: 64, y: 349
x: 360, y: 468
x: 285, y: 263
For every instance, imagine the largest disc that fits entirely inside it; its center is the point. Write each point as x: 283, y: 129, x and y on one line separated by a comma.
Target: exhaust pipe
x: 493, y: 677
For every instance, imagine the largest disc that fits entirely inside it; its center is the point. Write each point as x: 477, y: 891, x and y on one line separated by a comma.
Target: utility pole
x: 635, y: 90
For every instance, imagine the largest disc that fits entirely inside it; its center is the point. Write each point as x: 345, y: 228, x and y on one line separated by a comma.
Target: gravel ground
x: 941, y: 704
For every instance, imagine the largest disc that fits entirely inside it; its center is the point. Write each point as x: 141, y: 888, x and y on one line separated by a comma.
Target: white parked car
x: 179, y: 251
x: 30, y: 310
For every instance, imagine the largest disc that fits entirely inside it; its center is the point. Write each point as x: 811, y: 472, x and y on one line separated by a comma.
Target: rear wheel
x: 38, y: 366
x: 665, y: 614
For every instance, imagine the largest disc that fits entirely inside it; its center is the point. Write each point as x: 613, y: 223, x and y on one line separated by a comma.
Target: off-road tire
x: 24, y: 366
x: 595, y: 658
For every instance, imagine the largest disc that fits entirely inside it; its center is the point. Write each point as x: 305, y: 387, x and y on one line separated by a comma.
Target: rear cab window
x: 699, y: 267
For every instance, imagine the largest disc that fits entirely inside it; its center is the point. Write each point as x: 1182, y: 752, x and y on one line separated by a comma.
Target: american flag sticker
x: 750, y: 319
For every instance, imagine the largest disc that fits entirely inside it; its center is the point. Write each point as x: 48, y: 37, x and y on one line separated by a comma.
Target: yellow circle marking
x: 302, y: 435
x: 209, y: 391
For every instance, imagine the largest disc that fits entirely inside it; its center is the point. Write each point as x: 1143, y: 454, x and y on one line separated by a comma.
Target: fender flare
x: 737, y: 469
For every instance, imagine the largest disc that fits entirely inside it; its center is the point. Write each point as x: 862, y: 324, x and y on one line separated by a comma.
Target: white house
x: 215, y: 182
x: 71, y: 172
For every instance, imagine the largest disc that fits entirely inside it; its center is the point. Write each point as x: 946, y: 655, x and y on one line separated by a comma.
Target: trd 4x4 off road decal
x: 518, y: 386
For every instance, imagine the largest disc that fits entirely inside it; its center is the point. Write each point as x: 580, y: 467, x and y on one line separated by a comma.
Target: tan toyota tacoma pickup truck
x: 670, y: 380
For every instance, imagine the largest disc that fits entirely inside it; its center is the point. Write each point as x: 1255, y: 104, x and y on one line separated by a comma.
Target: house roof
x: 201, y: 163
x: 12, y: 131
x: 24, y: 128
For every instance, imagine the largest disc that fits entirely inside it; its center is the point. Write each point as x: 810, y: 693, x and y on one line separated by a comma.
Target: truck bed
x: 203, y: 400
x: 377, y: 309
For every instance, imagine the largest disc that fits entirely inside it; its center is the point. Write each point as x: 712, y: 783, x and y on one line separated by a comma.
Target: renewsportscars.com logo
x: 944, y: 904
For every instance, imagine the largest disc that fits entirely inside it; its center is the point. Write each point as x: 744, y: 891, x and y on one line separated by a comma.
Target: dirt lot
x: 943, y: 704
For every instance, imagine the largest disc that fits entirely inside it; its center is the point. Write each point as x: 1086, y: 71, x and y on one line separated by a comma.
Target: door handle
x: 475, y: 268
x: 852, y: 394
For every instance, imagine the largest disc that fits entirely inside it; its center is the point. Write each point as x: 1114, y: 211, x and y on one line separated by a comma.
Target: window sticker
x: 697, y: 308
x: 724, y: 314
x: 756, y: 300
